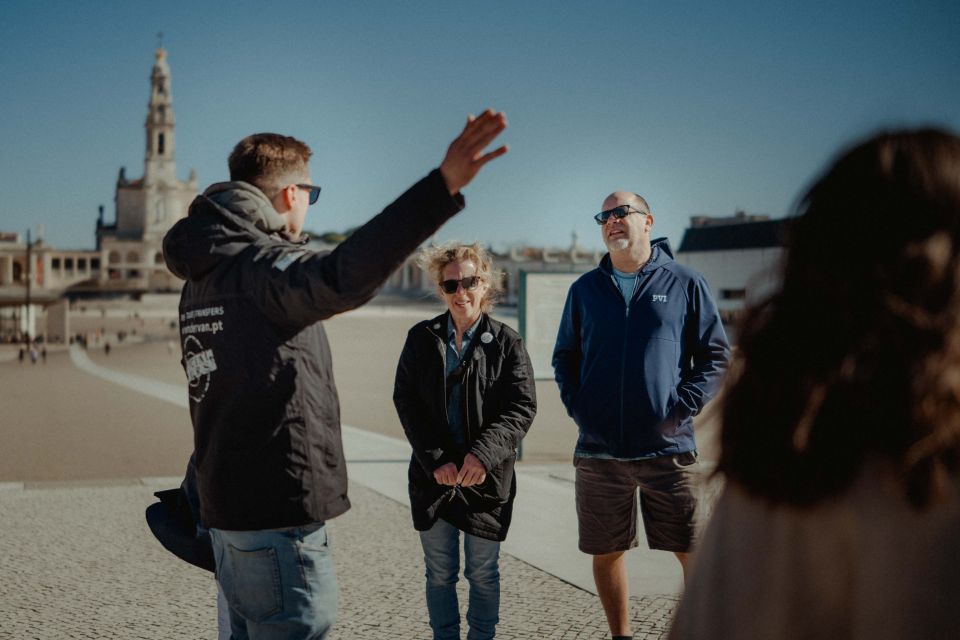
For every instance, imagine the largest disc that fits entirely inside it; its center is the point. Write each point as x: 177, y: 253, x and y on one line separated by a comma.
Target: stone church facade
x: 128, y: 259
x: 146, y: 207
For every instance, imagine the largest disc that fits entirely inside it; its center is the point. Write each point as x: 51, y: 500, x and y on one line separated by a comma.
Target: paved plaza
x: 88, y: 437
x: 80, y: 562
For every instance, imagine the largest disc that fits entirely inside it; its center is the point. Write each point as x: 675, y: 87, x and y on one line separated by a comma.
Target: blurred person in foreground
x: 270, y: 468
x: 640, y: 351
x: 466, y: 397
x: 841, y: 427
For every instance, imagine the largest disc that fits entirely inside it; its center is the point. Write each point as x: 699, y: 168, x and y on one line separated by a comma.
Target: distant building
x: 739, y: 256
x: 409, y: 279
x: 147, y: 207
x: 128, y: 258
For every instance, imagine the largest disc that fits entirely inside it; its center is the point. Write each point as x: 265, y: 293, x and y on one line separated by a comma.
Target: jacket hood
x: 222, y: 222
x: 248, y: 202
x: 660, y: 255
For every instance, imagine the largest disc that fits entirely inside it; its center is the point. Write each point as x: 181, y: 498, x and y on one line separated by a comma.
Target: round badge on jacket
x: 486, y: 337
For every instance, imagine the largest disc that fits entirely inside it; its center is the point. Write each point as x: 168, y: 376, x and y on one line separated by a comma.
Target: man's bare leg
x: 610, y: 576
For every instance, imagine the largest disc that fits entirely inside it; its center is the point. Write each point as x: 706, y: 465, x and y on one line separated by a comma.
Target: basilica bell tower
x: 160, y: 159
x: 148, y: 206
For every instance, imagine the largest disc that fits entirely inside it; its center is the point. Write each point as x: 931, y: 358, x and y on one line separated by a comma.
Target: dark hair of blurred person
x: 841, y: 423
x: 859, y: 351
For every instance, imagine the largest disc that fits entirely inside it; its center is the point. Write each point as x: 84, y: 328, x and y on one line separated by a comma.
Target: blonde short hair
x: 434, y: 259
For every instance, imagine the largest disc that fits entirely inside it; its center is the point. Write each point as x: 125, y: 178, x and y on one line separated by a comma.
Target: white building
x: 740, y: 257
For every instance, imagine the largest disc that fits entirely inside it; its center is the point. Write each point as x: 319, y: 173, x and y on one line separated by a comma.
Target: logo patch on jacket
x: 659, y: 297
x: 200, y: 363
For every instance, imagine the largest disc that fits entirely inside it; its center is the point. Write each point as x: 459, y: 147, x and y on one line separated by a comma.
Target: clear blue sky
x: 703, y: 107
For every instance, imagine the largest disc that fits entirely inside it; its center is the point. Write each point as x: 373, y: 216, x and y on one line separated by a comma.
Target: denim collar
x: 468, y: 334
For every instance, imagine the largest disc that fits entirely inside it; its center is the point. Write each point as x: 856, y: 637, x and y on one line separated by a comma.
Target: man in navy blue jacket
x: 640, y: 351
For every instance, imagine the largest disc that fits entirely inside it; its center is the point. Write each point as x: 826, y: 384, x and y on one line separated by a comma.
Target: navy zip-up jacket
x: 633, y: 376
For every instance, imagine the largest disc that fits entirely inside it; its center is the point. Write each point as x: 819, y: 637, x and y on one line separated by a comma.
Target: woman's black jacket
x: 499, y: 403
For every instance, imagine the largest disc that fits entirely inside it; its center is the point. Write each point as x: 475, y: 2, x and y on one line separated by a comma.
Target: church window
x: 55, y: 263
x: 95, y: 264
x: 158, y: 258
x: 133, y: 258
x: 160, y: 143
x: 68, y: 264
x: 162, y: 111
x: 114, y: 257
x: 82, y: 264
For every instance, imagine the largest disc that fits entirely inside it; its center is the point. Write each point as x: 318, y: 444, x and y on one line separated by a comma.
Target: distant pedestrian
x: 640, y: 351
x: 21, y: 355
x: 33, y: 355
x: 466, y: 397
x: 840, y: 516
x: 106, y: 348
x: 43, y: 354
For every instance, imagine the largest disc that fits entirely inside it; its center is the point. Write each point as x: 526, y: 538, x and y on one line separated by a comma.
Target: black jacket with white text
x: 264, y: 406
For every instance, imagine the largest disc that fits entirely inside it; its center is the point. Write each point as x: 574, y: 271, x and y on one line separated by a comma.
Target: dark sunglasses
x: 619, y: 213
x: 314, y: 191
x: 469, y: 284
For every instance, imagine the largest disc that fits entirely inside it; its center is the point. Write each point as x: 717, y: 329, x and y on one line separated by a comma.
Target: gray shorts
x: 607, y: 502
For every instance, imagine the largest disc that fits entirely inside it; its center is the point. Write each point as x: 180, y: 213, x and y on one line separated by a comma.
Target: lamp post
x: 28, y: 312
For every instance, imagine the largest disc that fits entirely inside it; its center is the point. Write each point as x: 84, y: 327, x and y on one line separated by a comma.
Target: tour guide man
x: 266, y: 417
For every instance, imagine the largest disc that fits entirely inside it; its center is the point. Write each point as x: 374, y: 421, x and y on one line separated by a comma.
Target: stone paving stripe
x: 161, y: 390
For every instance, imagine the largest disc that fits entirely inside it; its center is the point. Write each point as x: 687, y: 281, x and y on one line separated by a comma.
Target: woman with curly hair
x: 841, y: 422
x: 465, y: 395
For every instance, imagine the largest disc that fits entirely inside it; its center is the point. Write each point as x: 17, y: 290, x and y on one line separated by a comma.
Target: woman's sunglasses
x: 469, y: 284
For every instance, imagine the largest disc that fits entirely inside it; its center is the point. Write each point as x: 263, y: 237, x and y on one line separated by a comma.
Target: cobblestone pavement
x: 80, y: 562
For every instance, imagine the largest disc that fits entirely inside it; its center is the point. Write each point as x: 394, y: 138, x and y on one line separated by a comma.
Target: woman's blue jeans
x: 441, y: 554
x: 279, y: 583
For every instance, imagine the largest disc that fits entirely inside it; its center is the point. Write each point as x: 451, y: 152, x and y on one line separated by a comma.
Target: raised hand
x: 465, y: 155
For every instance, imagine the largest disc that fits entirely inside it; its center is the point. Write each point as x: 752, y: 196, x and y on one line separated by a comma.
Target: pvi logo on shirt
x: 659, y: 297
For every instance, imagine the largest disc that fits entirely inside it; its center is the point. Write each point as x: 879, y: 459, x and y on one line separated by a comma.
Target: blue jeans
x: 279, y: 583
x: 441, y: 554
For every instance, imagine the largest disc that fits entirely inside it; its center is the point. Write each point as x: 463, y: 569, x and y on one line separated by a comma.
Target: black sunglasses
x: 314, y: 191
x: 619, y: 213
x: 469, y: 284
